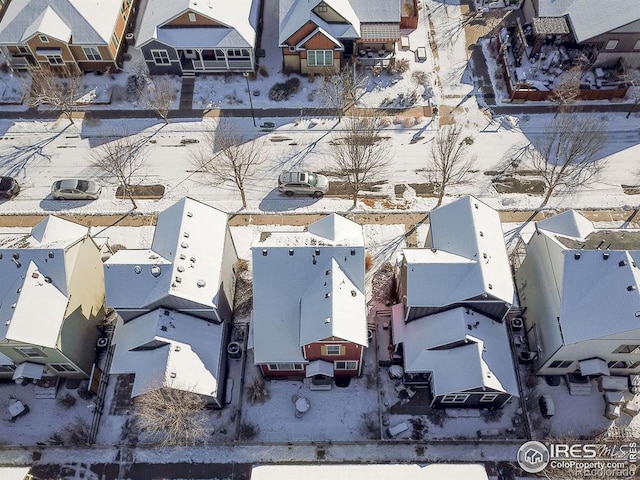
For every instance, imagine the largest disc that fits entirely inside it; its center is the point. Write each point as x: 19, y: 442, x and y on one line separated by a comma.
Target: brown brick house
x: 75, y: 35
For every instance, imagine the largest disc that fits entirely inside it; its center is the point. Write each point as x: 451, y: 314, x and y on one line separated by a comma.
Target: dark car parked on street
x: 9, y: 188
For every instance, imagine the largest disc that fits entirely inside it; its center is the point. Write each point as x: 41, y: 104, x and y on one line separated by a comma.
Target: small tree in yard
x: 450, y: 161
x: 58, y: 90
x: 227, y: 158
x: 340, y: 89
x: 632, y: 78
x: 567, y: 88
x: 159, y: 94
x: 362, y: 154
x: 122, y: 159
x: 566, y: 156
x: 172, y: 416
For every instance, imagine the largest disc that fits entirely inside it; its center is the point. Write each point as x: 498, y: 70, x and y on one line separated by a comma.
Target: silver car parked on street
x: 75, y: 189
x: 303, y: 183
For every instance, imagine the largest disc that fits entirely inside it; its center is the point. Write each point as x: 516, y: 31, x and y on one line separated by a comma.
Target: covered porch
x: 216, y: 60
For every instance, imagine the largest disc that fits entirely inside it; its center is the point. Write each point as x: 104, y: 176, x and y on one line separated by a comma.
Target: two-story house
x: 309, y: 314
x: 580, y: 289
x: 71, y: 35
x: 175, y: 303
x: 317, y: 36
x: 51, y: 301
x: 189, y: 36
x: 455, y: 294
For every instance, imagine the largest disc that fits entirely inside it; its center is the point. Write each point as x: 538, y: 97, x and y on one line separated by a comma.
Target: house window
x: 346, y: 365
x: 488, y: 397
x: 322, y: 8
x: 44, y: 38
x: 561, y: 364
x: 23, y: 50
x: 292, y: 48
x: 627, y: 349
x: 611, y: 45
x: 622, y: 364
x: 62, y: 367
x: 115, y: 40
x: 274, y: 367
x: 160, y: 57
x: 192, y: 17
x: 332, y: 350
x: 54, y: 59
x: 455, y: 398
x: 30, y: 352
x: 92, y: 53
x: 235, y: 53
x: 637, y: 45
x: 319, y: 58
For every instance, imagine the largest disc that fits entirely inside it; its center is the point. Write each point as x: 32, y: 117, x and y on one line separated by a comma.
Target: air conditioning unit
x: 102, y: 343
x: 517, y: 324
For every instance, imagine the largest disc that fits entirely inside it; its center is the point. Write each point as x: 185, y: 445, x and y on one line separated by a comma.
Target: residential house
x: 309, y: 314
x: 609, y: 36
x: 51, y: 301
x: 455, y: 294
x: 76, y: 35
x: 317, y: 36
x: 175, y: 303
x: 580, y: 289
x: 189, y: 36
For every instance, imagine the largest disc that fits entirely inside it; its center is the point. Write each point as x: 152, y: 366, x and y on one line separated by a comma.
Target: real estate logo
x: 533, y: 457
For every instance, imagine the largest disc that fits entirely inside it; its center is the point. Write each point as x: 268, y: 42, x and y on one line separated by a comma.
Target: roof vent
x: 481, y: 234
x: 490, y: 287
x: 484, y: 255
x: 35, y: 275
x: 327, y: 295
x: 328, y: 272
x: 137, y: 269
x: 327, y: 320
x: 475, y: 205
x: 353, y: 293
x: 637, y: 314
x: 622, y: 263
x: 183, y: 256
x: 353, y: 251
x: 47, y: 279
x: 172, y: 374
x: 184, y: 245
x: 264, y: 253
x: 317, y: 251
x: 51, y: 255
x: 16, y: 255
x: 192, y: 259
x: 185, y: 234
x: 166, y: 313
x: 291, y: 252
x: 201, y: 283
x: 163, y: 328
x: 189, y: 214
x: 180, y: 268
x: 631, y: 288
x: 155, y: 271
x: 576, y: 255
x: 178, y: 279
x: 177, y: 348
x: 605, y: 255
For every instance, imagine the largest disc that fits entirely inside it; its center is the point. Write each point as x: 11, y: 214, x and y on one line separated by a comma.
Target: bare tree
x: 567, y: 88
x: 631, y: 76
x: 172, y: 416
x: 122, y: 158
x: 159, y: 94
x: 58, y: 90
x: 566, y: 155
x: 228, y: 158
x: 450, y: 161
x: 340, y: 89
x: 362, y: 154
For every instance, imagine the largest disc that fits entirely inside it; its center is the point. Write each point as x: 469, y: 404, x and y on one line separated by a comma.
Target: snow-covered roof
x: 242, y: 18
x: 34, y: 287
x: 185, y: 260
x: 568, y: 223
x: 467, y: 258
x: 187, y: 354
x: 586, y: 22
x: 600, y: 294
x: 481, y: 362
x: 294, y: 14
x: 332, y: 306
x: 86, y: 22
x: 285, y: 266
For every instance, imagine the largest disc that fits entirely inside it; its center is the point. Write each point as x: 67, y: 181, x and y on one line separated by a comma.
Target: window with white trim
x: 319, y: 58
x: 611, y: 45
x: 346, y: 365
x: 561, y: 364
x: 236, y: 53
x: 292, y: 48
x: 192, y: 17
x: 62, y: 367
x: 30, y: 352
x: 160, y: 57
x: 455, y: 398
x: 322, y: 8
x: 23, y: 49
x: 43, y: 38
x: 332, y: 349
x: 274, y: 367
x: 635, y: 349
x: 488, y: 397
x: 54, y: 59
x: 92, y: 53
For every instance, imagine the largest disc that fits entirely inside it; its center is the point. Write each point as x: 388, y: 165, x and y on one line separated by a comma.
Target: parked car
x: 303, y: 183
x: 9, y: 188
x: 75, y: 189
x: 547, y: 406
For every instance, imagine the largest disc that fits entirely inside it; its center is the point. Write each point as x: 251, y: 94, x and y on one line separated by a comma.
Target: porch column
x: 226, y: 61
